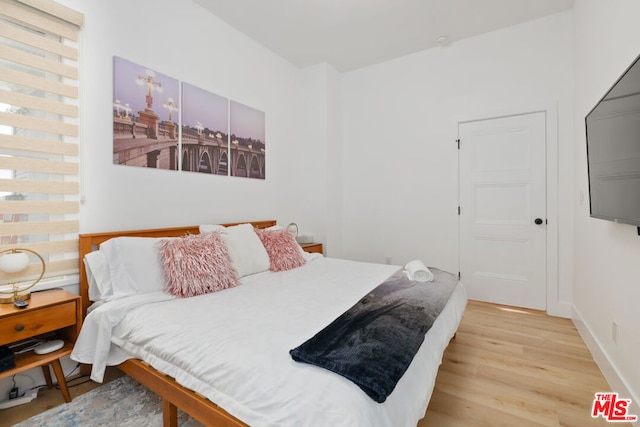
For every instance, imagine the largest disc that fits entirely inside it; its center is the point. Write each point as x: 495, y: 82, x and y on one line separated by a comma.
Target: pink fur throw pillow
x: 196, y: 264
x: 284, y: 252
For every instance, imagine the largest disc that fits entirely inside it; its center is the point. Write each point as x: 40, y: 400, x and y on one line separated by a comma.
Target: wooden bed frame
x: 173, y: 394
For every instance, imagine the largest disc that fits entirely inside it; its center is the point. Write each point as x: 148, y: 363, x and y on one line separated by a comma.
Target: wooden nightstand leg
x: 62, y: 383
x: 47, y: 376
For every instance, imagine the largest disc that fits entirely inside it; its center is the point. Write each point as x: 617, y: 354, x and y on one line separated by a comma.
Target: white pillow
x: 248, y: 255
x: 210, y: 228
x: 134, y: 265
x: 98, y: 276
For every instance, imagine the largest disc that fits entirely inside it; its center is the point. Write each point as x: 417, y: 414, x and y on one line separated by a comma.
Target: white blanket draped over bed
x: 233, y: 346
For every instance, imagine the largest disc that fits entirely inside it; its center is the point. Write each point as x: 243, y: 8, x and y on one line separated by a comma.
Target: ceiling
x: 351, y: 34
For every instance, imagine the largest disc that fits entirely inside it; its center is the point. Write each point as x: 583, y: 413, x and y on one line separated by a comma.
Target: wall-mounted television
x: 613, y: 151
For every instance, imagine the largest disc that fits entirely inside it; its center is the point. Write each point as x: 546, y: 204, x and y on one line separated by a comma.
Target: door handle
x: 538, y: 221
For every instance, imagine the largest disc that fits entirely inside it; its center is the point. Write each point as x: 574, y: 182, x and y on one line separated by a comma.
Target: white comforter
x: 233, y: 346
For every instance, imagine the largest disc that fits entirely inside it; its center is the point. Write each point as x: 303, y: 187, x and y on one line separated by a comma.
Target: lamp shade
x: 13, y: 262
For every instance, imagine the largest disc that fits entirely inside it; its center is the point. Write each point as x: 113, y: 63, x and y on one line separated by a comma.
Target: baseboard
x: 609, y: 370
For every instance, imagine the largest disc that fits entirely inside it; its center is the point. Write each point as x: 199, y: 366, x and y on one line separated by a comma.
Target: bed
x: 241, y: 373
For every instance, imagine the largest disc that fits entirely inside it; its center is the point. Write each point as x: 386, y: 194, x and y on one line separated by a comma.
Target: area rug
x: 121, y: 402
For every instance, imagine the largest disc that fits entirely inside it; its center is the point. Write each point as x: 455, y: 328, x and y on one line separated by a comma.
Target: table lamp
x: 14, y: 261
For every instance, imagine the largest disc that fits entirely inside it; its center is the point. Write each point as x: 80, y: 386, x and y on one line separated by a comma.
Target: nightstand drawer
x: 29, y: 323
x: 312, y: 247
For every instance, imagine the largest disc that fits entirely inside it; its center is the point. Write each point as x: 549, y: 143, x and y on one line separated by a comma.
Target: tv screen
x: 613, y: 151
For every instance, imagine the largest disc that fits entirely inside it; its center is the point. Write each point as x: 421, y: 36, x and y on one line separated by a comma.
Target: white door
x: 503, y: 209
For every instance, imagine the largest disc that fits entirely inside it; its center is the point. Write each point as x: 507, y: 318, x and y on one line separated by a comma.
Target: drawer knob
x: 19, y: 328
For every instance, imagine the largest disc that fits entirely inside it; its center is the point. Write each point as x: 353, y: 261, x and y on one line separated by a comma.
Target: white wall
x: 324, y: 151
x: 400, y: 177
x: 186, y: 42
x: 607, y: 277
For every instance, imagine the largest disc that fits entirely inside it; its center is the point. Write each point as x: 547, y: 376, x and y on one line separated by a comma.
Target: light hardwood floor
x: 515, y: 367
x: 506, y: 367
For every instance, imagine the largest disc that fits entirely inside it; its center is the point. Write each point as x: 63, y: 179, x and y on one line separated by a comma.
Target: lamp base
x: 8, y: 299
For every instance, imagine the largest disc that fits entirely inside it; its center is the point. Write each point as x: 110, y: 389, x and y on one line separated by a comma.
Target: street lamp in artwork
x: 118, y: 106
x: 171, y: 106
x: 151, y: 86
x: 127, y: 110
x: 200, y: 128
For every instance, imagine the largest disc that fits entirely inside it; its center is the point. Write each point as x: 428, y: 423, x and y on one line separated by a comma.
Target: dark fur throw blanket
x: 374, y: 342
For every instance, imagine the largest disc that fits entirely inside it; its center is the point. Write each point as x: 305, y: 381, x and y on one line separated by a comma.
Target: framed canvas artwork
x: 205, y: 134
x: 145, y: 116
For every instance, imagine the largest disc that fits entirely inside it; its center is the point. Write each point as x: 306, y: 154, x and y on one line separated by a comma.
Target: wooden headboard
x: 91, y: 242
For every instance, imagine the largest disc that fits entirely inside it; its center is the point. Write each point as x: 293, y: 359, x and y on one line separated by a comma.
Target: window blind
x: 39, y: 145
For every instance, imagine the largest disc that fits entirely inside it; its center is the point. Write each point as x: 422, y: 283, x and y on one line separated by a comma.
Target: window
x: 39, y: 170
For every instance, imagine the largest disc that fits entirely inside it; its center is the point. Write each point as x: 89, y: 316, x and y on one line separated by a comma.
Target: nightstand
x: 312, y: 247
x: 53, y: 312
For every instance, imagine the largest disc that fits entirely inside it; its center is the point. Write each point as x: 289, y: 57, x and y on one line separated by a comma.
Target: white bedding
x: 233, y: 346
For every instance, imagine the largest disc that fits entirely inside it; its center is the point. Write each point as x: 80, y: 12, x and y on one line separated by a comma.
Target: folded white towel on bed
x: 416, y: 270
